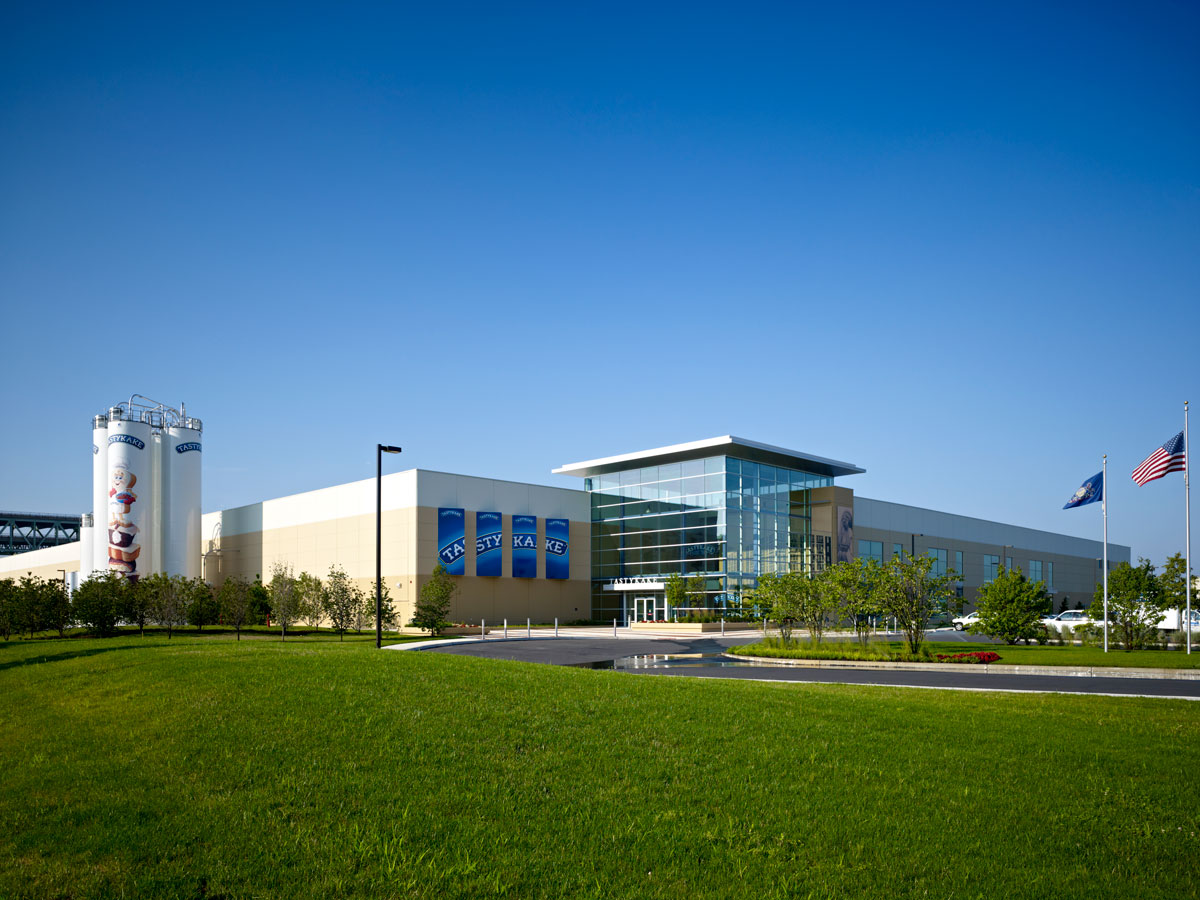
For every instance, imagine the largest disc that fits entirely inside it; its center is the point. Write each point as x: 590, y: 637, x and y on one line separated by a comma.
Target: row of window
x: 739, y: 487
x: 615, y: 481
x: 782, y: 504
x: 991, y: 562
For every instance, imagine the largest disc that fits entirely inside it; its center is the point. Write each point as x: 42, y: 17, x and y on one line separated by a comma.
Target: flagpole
x: 1187, y: 529
x: 1104, y: 507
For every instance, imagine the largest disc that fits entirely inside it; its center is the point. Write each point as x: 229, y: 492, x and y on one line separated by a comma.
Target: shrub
x: 777, y: 648
x: 973, y: 656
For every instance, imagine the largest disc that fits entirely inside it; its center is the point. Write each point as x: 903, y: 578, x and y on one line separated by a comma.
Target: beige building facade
x: 335, y: 526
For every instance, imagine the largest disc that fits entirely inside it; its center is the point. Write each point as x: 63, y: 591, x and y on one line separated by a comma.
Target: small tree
x: 200, y: 604
x: 312, y: 599
x: 852, y: 583
x: 260, y: 604
x: 28, y: 608
x: 55, y: 605
x: 1010, y: 607
x: 695, y: 592
x: 908, y: 590
x: 1174, y: 587
x: 8, y: 604
x: 433, y: 603
x: 285, y: 599
x: 340, y: 600
x: 98, y: 602
x: 233, y: 598
x: 675, y: 591
x: 364, y: 608
x: 167, y: 600
x: 136, y: 600
x: 782, y: 598
x: 387, y: 612
x: 1135, y: 603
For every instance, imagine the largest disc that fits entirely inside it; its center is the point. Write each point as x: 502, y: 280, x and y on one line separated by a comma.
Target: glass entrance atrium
x: 725, y: 518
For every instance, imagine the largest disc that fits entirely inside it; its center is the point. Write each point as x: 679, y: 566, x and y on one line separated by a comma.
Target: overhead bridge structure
x: 21, y: 532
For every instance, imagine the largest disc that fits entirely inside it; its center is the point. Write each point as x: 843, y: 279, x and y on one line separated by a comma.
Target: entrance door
x: 649, y: 609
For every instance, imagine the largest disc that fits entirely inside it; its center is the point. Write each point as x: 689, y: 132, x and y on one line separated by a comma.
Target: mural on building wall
x: 452, y: 540
x: 524, y: 546
x: 845, y: 534
x: 489, y: 536
x: 558, y: 548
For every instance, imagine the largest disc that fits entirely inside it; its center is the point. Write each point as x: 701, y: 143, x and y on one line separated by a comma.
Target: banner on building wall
x: 452, y: 540
x: 558, y: 548
x: 845, y: 534
x: 524, y: 546
x: 489, y: 535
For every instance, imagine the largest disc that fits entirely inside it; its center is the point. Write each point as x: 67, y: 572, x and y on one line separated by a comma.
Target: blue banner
x: 524, y: 546
x: 489, y: 543
x: 452, y: 540
x: 558, y: 548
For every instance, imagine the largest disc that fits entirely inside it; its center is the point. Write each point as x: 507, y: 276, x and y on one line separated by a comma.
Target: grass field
x: 1021, y: 654
x: 204, y: 767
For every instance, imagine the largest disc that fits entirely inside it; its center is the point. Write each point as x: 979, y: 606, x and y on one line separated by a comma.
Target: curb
x: 985, y: 668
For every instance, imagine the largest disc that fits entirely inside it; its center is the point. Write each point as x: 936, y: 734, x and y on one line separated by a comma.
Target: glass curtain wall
x: 725, y: 519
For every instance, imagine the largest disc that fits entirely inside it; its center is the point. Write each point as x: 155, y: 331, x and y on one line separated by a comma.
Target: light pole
x: 380, y: 449
x: 912, y: 547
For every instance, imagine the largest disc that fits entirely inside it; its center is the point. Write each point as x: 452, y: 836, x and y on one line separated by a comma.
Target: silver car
x: 1069, y: 619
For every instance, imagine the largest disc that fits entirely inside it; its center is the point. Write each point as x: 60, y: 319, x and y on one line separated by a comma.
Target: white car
x: 1069, y: 619
x: 961, y: 622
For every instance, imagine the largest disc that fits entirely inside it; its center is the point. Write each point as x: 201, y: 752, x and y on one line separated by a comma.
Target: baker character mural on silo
x: 126, y: 462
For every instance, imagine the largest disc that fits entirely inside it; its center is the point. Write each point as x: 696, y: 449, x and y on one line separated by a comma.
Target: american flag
x: 1167, y: 458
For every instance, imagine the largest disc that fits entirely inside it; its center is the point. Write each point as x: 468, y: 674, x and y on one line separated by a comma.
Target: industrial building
x: 727, y: 509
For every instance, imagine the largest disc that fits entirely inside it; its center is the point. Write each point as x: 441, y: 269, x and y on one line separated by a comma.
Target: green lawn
x: 147, y: 768
x: 1020, y: 654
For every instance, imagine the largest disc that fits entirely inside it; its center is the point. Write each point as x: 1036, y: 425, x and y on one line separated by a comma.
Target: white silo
x: 154, y: 540
x: 129, y: 489
x: 99, y: 560
x: 87, y: 545
x: 181, y: 551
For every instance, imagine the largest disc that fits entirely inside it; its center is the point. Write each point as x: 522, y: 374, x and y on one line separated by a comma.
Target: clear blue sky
x: 953, y: 244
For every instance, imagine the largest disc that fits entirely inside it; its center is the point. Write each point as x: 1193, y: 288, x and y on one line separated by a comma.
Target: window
x: 871, y: 550
x: 1008, y: 563
x: 939, y: 561
x: 958, y: 564
x: 1050, y: 576
x: 1035, y: 570
x: 897, y: 549
x: 991, y: 566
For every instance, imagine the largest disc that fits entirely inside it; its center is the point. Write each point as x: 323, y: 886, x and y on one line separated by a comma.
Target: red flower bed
x: 975, y: 656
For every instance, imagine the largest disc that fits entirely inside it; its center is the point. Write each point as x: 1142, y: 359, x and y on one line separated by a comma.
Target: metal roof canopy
x: 718, y: 446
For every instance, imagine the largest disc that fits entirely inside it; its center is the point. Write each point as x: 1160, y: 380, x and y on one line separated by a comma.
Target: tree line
x: 106, y: 600
x: 856, y: 592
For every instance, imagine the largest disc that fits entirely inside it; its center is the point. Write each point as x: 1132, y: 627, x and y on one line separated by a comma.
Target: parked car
x: 1068, y: 618
x: 961, y: 622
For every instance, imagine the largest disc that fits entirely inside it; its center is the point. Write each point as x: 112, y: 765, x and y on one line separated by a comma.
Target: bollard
x: 506, y: 629
x: 614, y: 627
x: 528, y: 629
x: 722, y: 626
x: 483, y: 627
x: 556, y: 626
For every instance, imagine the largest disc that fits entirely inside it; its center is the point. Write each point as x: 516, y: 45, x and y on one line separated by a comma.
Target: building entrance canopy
x: 636, y: 584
